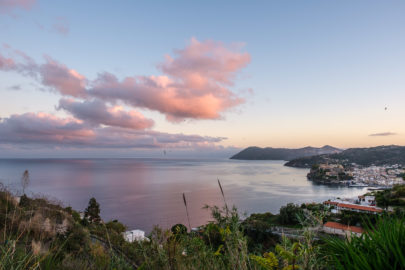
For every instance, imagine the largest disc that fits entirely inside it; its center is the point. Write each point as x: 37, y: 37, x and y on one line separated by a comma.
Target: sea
x: 144, y: 192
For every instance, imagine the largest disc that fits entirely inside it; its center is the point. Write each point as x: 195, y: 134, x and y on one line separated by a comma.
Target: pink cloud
x: 67, y: 81
x: 195, y: 85
x: 96, y: 112
x: 40, y: 129
x: 52, y: 74
x: 9, y: 5
x: 202, y: 63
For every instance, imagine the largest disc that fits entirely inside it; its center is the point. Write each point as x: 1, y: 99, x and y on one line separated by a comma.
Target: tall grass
x: 13, y: 241
x: 223, y: 196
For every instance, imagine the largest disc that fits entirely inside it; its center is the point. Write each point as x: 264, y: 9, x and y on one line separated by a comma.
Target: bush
x: 116, y: 226
x: 77, y: 240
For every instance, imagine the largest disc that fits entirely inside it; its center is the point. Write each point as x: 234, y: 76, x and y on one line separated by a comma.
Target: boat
x: 358, y: 185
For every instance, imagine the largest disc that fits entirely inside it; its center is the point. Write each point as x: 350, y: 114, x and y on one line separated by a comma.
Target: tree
x: 25, y: 180
x: 92, y: 212
x: 289, y: 213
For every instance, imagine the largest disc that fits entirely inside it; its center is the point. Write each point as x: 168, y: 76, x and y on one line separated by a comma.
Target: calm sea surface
x: 144, y: 192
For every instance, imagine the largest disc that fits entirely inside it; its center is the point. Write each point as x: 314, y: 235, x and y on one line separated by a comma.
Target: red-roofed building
x: 330, y: 203
x: 354, y: 207
x: 341, y: 229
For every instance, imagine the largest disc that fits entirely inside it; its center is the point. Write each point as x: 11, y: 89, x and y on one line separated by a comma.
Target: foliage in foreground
x: 38, y: 234
x: 382, y: 247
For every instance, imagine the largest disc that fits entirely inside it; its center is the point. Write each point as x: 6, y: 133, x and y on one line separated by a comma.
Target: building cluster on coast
x: 357, y: 176
x: 386, y: 176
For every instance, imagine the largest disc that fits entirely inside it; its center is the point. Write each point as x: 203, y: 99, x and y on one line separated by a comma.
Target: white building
x: 135, y: 235
x: 367, y: 200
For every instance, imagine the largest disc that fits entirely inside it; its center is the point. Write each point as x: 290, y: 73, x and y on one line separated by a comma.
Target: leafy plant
x: 381, y: 247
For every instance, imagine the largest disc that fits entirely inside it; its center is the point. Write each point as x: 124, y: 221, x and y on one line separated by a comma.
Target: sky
x: 140, y: 78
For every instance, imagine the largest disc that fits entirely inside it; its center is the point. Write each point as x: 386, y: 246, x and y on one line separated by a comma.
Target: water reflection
x: 143, y: 192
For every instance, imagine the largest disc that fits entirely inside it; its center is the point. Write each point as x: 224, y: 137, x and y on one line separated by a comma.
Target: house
x: 135, y: 235
x: 367, y: 200
x: 341, y: 229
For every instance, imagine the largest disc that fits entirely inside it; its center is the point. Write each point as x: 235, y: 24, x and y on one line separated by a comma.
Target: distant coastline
x: 381, y: 166
x: 269, y: 153
x: 308, y: 156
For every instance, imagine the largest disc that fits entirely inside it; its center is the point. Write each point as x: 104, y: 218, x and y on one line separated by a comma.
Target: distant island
x: 378, y: 156
x: 269, y: 153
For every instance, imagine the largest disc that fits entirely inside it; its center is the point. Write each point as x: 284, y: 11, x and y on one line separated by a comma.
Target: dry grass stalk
x: 188, y: 217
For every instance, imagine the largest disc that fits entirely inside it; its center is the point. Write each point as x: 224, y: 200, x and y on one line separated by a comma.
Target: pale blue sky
x: 322, y: 72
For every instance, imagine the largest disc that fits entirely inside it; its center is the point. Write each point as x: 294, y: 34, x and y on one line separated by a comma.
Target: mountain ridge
x: 379, y: 155
x: 270, y: 153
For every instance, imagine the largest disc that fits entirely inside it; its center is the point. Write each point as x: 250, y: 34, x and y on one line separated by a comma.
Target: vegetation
x: 258, y: 230
x: 92, y: 212
x: 38, y: 234
x: 290, y: 214
x: 391, y: 197
x: 380, y: 248
x: 332, y: 175
x: 25, y: 180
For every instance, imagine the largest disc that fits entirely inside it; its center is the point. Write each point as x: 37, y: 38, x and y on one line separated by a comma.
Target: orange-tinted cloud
x: 195, y: 85
x: 96, y: 112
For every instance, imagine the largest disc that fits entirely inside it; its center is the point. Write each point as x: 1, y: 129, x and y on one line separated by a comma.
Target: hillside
x: 269, y: 153
x: 380, y: 155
